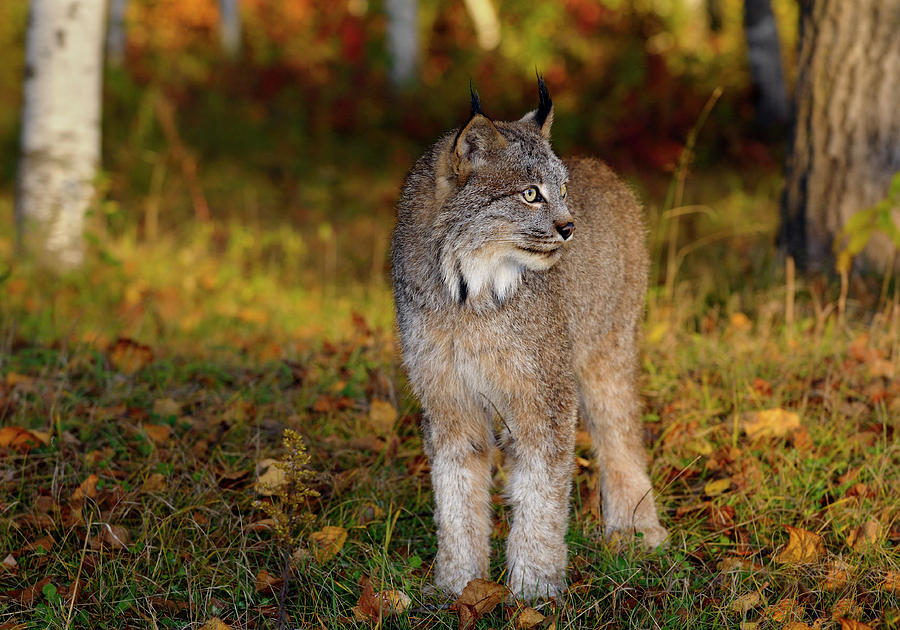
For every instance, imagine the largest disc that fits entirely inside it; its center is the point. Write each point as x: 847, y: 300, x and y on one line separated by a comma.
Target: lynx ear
x: 474, y: 140
x: 543, y: 115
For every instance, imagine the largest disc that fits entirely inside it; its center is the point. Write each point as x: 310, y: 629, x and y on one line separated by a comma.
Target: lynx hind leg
x: 458, y: 443
x: 611, y: 411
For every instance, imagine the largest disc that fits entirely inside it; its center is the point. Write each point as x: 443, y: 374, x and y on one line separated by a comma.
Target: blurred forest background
x: 293, y: 139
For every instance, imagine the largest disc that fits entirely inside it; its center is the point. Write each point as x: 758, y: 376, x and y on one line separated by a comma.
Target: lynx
x: 519, y: 283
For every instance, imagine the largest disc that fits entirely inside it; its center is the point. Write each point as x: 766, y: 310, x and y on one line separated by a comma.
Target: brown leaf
x: 371, y: 605
x: 891, y: 583
x: 19, y: 439
x: 129, y: 356
x: 165, y: 407
x: 795, y: 625
x: 111, y: 536
x: 785, y: 610
x: 477, y: 599
x: 528, y: 618
x: 382, y: 417
x: 154, y: 483
x: 215, y: 624
x: 844, y: 607
x: 13, y: 379
x: 745, y: 603
x: 802, y: 547
x: 265, y: 581
x: 865, y: 536
x: 46, y: 543
x: 739, y: 322
x: 837, y: 577
x: 158, y: 433
x: 770, y: 423
x: 327, y: 542
x: 87, y: 489
x: 12, y: 624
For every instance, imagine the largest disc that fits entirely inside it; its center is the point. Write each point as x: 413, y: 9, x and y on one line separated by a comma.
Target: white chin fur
x: 502, y: 273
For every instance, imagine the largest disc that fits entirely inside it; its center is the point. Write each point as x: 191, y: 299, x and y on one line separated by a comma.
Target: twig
x: 282, y: 592
x: 790, y: 271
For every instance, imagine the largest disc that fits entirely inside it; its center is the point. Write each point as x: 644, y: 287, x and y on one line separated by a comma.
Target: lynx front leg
x: 458, y: 448
x: 538, y: 490
x: 611, y: 412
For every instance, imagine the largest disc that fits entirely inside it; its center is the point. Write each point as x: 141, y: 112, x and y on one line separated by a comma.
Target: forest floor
x: 142, y: 399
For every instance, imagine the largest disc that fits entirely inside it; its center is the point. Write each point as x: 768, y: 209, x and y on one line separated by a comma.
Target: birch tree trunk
x: 115, y: 32
x: 846, y: 140
x: 764, y: 56
x: 403, y: 39
x: 230, y: 27
x: 60, y: 143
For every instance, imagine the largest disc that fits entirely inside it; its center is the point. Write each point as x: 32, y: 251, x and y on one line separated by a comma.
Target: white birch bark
x: 115, y: 32
x: 487, y: 25
x: 60, y: 144
x: 230, y: 27
x: 403, y: 39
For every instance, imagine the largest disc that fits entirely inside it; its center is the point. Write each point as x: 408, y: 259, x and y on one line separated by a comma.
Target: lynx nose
x: 565, y: 230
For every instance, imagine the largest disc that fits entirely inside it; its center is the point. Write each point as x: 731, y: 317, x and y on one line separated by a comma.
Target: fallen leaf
x: 745, y: 603
x: 13, y: 379
x: 215, y: 624
x: 802, y: 547
x: 785, y: 610
x: 87, y: 489
x: 265, y: 581
x: 717, y: 487
x: 19, y: 439
x: 165, y: 407
x: 327, y: 542
x: 770, y: 423
x: 270, y: 477
x: 112, y: 536
x: 371, y: 605
x: 881, y: 368
x: 158, y: 433
x: 865, y: 536
x: 129, y: 356
x: 796, y: 625
x: 740, y: 322
x: 837, y: 576
x: 9, y: 563
x: 477, y: 599
x: 382, y: 417
x: 154, y: 483
x: 528, y: 618
x: 891, y: 582
x: 845, y: 607
x: 12, y: 624
x: 44, y: 543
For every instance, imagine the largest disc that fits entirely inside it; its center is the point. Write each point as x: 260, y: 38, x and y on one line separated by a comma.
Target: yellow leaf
x: 270, y: 477
x: 13, y: 379
x: 158, y: 433
x: 849, y: 624
x: 154, y: 483
x: 215, y: 624
x: 382, y: 416
x: 88, y: 488
x: 745, y: 603
x: 866, y: 535
x: 770, y: 423
x: 657, y: 332
x: 528, y: 618
x: 165, y: 407
x: 740, y: 322
x: 327, y: 542
x: 802, y: 547
x: 717, y: 487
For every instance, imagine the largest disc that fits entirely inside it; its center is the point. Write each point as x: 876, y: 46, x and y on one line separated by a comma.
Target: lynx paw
x: 528, y: 583
x: 653, y: 535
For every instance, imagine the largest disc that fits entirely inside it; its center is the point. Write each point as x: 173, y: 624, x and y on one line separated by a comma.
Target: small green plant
x: 858, y: 229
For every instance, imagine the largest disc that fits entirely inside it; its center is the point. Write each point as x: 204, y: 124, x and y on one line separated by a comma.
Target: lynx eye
x: 562, y: 191
x: 532, y: 194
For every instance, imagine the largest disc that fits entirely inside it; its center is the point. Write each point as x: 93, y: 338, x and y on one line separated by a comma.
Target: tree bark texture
x: 403, y: 40
x: 230, y: 27
x: 764, y: 56
x: 845, y: 146
x: 60, y: 142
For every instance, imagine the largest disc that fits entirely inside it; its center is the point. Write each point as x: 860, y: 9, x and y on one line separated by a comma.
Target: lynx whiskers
x: 504, y: 308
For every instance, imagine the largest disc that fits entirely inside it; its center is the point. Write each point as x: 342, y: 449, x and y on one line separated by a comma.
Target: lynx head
x: 501, y: 194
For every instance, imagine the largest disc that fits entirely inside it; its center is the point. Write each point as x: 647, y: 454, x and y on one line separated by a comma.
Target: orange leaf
x: 88, y: 488
x: 770, y: 423
x: 372, y: 605
x: 158, y: 433
x: 849, y: 624
x: 129, y: 356
x: 19, y: 439
x: 215, y: 624
x: 477, y: 599
x: 266, y: 581
x: 802, y: 547
x: 327, y: 542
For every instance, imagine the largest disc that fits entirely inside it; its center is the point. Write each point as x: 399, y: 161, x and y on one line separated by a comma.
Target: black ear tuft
x: 545, y: 104
x: 476, y: 102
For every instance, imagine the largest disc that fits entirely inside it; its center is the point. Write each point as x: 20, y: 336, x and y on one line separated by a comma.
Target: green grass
x: 253, y: 328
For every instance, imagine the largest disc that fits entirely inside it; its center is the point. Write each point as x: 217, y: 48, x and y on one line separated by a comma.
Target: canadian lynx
x: 511, y: 323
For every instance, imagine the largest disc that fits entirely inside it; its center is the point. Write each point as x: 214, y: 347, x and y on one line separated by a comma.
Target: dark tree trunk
x: 764, y: 56
x: 845, y: 145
